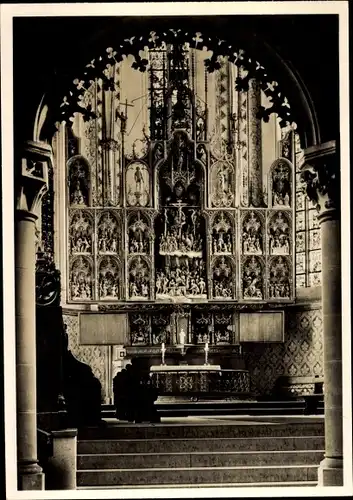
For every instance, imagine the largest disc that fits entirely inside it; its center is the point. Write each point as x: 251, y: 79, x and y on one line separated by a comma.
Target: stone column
x: 255, y: 139
x: 31, y: 184
x: 321, y: 173
x: 62, y: 465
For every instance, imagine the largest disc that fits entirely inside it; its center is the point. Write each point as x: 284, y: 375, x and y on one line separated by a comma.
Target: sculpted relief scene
x: 178, y: 199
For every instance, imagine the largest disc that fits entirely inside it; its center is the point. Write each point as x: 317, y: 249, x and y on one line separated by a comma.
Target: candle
x: 182, y: 337
x: 163, y: 352
x: 206, y: 346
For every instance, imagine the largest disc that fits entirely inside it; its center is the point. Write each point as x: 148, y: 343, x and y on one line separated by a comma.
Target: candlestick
x: 163, y: 353
x: 206, y: 353
x: 239, y: 349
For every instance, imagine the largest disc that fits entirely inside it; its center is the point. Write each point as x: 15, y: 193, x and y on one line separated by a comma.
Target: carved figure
x: 79, y: 181
x: 138, y: 179
x: 108, y: 231
x: 81, y: 279
x: 222, y: 178
x: 281, y: 184
x: 279, y: 235
x: 279, y: 283
x: 139, y: 278
x: 81, y: 233
x: 221, y: 235
x: 252, y: 279
x: 222, y: 279
x: 138, y: 235
x: 108, y: 279
x: 252, y: 235
x: 137, y: 185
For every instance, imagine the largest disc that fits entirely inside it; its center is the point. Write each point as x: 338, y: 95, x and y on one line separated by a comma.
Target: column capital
x: 32, y: 176
x: 321, y: 174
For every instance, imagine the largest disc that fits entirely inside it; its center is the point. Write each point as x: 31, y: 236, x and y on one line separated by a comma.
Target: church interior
x: 184, y: 177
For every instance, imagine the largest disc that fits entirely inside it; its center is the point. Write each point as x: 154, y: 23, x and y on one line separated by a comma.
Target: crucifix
x: 123, y: 116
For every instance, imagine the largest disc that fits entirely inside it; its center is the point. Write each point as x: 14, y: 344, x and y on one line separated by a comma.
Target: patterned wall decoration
x: 95, y: 356
x: 300, y: 355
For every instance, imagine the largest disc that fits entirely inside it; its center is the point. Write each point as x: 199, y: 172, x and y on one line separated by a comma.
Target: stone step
x: 214, y: 404
x: 197, y: 475
x: 199, y: 459
x: 244, y: 428
x: 285, y: 443
x: 175, y: 411
x: 183, y: 407
x: 183, y: 412
x: 211, y: 485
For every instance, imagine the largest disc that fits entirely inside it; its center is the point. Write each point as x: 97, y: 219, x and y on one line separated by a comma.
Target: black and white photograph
x: 176, y: 254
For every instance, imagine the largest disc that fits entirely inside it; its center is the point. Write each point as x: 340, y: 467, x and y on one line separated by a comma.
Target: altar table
x: 182, y: 380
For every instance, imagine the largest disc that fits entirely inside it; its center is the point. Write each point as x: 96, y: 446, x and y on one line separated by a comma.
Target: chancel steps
x: 183, y: 408
x: 241, y: 453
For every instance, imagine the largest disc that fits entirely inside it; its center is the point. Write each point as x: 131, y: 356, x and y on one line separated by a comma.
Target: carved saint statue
x: 223, y: 180
x: 138, y: 179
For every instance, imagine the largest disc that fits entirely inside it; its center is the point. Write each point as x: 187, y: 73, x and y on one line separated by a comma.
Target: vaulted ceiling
x: 49, y: 53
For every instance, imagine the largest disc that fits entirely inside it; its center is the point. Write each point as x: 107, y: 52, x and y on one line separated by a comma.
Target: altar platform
x: 184, y: 368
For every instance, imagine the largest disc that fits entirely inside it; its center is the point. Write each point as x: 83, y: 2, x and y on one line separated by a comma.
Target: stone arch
x: 285, y: 73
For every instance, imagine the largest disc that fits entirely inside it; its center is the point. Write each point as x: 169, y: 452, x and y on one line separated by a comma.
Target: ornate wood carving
x: 79, y: 181
x: 281, y: 184
x: 184, y: 232
x: 81, y: 278
x: 109, y: 278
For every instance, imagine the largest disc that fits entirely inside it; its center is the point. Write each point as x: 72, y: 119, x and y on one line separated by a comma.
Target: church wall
x: 94, y: 355
x: 301, y: 354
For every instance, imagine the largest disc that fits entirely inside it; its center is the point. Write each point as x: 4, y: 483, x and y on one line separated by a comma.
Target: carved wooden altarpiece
x: 167, y: 217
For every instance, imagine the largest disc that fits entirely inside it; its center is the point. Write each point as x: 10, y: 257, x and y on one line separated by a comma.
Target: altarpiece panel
x: 169, y: 201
